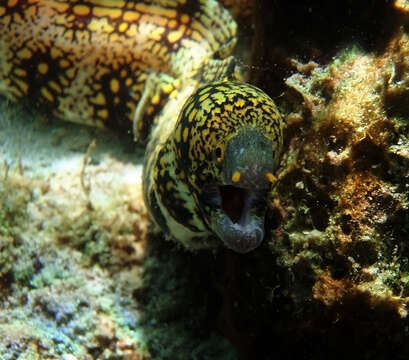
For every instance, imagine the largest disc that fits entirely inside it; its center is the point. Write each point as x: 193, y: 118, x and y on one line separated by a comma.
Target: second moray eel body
x: 110, y: 63
x: 155, y: 68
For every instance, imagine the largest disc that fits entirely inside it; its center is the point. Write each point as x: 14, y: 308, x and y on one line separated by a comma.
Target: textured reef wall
x: 81, y: 279
x: 342, y: 205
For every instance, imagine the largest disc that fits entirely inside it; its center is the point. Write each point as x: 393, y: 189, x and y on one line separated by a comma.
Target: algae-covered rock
x: 72, y: 241
x: 342, y: 194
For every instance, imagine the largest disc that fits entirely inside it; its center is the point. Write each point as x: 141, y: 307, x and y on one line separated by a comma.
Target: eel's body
x: 100, y: 62
x: 117, y: 64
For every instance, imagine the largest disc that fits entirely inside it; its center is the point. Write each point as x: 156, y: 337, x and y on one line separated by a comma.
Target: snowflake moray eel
x: 163, y: 71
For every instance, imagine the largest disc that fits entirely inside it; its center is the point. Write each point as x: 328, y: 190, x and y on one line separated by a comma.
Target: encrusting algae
x: 342, y: 204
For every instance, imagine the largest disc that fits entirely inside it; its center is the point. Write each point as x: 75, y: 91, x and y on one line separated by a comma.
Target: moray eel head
x: 227, y: 143
x: 237, y: 201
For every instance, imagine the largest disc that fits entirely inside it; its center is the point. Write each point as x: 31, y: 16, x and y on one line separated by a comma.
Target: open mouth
x: 237, y: 217
x: 233, y: 201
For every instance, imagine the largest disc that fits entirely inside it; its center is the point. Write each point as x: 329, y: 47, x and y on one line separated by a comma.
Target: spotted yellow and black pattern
x: 110, y: 63
x: 129, y: 65
x: 228, y: 133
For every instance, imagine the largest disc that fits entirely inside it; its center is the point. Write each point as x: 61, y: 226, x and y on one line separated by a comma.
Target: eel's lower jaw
x: 238, y: 237
x: 237, y: 217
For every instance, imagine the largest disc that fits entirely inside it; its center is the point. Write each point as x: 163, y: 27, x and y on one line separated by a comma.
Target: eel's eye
x: 219, y: 153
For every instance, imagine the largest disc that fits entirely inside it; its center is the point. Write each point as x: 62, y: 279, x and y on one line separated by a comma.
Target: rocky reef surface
x: 72, y: 230
x: 81, y: 277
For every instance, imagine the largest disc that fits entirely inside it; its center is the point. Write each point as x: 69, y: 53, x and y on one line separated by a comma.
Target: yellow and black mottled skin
x: 227, y: 142
x: 110, y: 63
x: 119, y: 64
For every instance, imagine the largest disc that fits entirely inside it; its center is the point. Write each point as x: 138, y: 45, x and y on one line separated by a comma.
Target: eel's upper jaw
x: 237, y: 216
